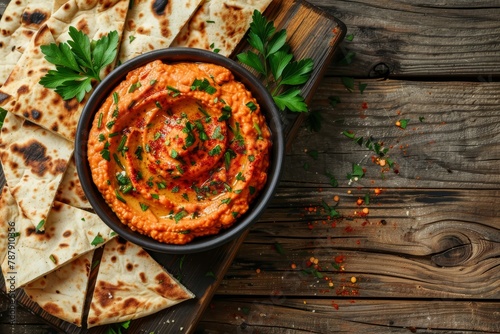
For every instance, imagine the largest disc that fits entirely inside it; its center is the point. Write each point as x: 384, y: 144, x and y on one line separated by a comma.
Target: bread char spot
x: 52, y: 308
x: 35, y: 156
x: 104, y: 292
x: 167, y: 288
x: 35, y: 17
x: 23, y: 90
x: 159, y: 7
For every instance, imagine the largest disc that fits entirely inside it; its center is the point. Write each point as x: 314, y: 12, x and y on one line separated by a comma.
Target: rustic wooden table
x: 425, y: 257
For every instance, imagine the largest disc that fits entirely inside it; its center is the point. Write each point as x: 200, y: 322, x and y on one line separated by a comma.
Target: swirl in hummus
x: 179, y: 150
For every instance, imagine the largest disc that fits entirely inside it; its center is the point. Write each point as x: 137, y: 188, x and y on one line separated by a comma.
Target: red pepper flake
x: 310, y: 226
x: 364, y: 105
x: 335, y: 306
x: 348, y: 229
x: 339, y: 259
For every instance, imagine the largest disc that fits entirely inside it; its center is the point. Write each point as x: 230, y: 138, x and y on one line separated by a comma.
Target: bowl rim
x: 180, y: 54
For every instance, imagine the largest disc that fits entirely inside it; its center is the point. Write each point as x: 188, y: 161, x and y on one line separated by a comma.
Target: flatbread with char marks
x: 34, y: 161
x: 62, y: 293
x: 153, y: 24
x: 20, y: 21
x: 219, y: 24
x: 69, y: 233
x: 131, y: 284
x: 22, y: 94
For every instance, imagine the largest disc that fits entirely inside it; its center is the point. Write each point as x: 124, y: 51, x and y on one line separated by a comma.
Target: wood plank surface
x: 424, y: 38
x: 192, y: 269
x: 426, y: 256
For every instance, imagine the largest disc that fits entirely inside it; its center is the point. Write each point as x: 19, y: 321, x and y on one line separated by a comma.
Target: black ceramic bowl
x: 179, y: 55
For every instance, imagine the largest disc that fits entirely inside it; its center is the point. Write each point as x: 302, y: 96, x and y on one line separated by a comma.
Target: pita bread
x: 69, y: 233
x: 62, y: 293
x: 150, y: 26
x: 22, y: 94
x: 18, y: 24
x: 219, y: 24
x: 34, y: 161
x: 130, y: 285
x: 70, y: 190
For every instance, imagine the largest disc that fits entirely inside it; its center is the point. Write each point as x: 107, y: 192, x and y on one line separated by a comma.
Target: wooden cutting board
x: 311, y: 33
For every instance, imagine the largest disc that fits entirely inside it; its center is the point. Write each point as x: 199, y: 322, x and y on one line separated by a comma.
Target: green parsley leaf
x: 292, y: 100
x: 78, y: 63
x: 403, y: 123
x: 40, y: 225
x: 97, y: 240
x: 348, y: 83
x: 274, y: 61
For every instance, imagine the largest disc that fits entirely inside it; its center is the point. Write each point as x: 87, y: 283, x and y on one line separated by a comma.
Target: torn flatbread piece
x: 22, y: 94
x: 34, y: 161
x: 69, y: 233
x: 131, y: 284
x: 152, y: 25
x: 20, y: 21
x: 70, y: 190
x: 219, y: 25
x: 62, y: 293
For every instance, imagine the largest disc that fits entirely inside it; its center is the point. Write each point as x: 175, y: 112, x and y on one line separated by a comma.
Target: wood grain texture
x: 419, y: 38
x: 452, y: 139
x: 303, y: 315
x: 192, y: 269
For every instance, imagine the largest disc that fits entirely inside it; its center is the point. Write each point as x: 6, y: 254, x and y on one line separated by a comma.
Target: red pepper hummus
x: 179, y: 150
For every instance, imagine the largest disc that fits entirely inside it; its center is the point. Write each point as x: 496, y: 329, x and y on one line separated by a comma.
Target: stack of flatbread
x: 48, y: 234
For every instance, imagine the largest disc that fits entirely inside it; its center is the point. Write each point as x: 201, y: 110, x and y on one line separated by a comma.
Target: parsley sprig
x: 78, y: 63
x: 274, y: 61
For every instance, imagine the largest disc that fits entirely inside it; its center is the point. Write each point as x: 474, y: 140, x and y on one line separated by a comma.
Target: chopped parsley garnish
x: 228, y: 156
x: 178, y: 216
x: 99, y: 121
x: 226, y: 113
x: 217, y: 133
x: 40, y: 225
x: 203, y: 85
x: 251, y: 106
x: 144, y: 207
x: 121, y: 145
x: 138, y: 152
x: 226, y: 200
x: 133, y: 87
x: 97, y: 240
x: 155, y: 196
x: 240, y: 177
x: 215, y: 151
x: 118, y: 162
